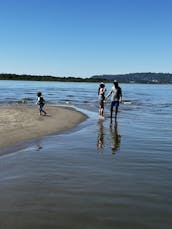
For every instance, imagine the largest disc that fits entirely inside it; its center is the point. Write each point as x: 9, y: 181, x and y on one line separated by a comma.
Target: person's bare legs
x: 111, y: 112
x: 101, y: 110
x: 42, y: 111
x: 116, y: 111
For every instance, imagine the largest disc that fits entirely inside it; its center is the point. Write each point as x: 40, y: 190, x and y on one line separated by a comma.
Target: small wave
x: 166, y: 105
x: 127, y: 102
x: 24, y: 101
x: 30, y: 93
x: 131, y: 102
x: 50, y: 93
x: 70, y: 96
x: 67, y: 102
x: 28, y: 99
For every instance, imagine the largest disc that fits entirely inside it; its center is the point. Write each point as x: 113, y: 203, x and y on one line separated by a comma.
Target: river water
x: 98, y: 175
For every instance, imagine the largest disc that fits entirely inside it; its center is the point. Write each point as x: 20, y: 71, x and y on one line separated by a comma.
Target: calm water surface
x: 99, y: 175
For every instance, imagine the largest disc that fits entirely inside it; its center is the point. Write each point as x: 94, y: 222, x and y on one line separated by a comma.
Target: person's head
x: 102, y: 85
x: 39, y: 93
x: 115, y: 83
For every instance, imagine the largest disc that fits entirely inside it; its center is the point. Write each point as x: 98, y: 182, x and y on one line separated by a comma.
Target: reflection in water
x: 115, y: 138
x: 100, y: 140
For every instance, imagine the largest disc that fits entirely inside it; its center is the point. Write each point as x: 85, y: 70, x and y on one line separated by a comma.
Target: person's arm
x: 108, y: 94
x: 37, y: 102
x: 104, y: 90
x: 98, y: 90
x: 120, y: 96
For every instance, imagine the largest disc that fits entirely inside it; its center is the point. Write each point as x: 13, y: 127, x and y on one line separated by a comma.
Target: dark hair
x: 39, y: 93
x: 102, y: 85
x: 116, y: 84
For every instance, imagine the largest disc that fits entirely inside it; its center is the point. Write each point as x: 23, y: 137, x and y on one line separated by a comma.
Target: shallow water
x: 99, y: 175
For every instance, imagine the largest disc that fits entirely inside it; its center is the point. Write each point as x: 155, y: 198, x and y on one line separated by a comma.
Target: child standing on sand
x: 41, y: 103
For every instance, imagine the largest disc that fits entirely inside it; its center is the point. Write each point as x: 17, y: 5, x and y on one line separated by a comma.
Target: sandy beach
x: 19, y: 123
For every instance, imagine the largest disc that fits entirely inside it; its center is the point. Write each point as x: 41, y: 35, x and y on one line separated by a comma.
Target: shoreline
x: 20, y: 123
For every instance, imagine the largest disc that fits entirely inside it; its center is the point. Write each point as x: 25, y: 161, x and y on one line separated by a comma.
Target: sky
x: 82, y: 38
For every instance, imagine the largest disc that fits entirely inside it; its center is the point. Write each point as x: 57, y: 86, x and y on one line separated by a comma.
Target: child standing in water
x: 41, y: 103
x: 101, y: 94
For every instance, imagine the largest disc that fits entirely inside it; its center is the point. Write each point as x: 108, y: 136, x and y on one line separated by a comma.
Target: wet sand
x: 19, y: 123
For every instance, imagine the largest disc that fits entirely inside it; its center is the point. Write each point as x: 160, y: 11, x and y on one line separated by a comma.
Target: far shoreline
x: 128, y: 78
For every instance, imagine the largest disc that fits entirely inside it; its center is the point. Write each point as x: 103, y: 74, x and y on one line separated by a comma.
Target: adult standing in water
x: 116, y: 98
x: 101, y: 94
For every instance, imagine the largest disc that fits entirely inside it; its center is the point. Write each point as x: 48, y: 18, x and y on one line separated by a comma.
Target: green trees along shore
x: 148, y: 77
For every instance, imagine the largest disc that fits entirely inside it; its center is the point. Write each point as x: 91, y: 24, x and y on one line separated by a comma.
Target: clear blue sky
x: 85, y: 37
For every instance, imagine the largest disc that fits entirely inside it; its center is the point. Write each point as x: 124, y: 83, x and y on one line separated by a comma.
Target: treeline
x: 156, y: 78
x: 6, y: 76
x: 147, y: 77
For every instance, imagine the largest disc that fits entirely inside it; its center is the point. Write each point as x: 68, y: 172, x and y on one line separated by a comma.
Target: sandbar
x: 19, y: 122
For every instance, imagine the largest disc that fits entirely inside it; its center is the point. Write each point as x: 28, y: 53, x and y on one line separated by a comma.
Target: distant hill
x: 147, y: 77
